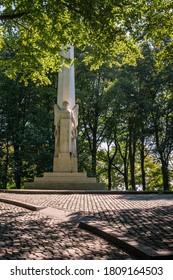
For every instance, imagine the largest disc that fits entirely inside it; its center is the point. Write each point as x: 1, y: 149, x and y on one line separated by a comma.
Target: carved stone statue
x: 66, y: 122
x: 66, y: 118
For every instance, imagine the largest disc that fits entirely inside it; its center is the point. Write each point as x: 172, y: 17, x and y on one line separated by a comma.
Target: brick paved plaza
x: 54, y: 232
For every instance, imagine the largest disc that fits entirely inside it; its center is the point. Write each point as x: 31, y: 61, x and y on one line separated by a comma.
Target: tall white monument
x: 65, y: 175
x: 66, y: 80
x: 66, y: 119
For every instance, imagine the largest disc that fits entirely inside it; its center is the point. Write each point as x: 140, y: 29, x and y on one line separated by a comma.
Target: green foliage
x: 93, y: 100
x: 153, y: 174
x: 26, y: 138
x: 113, y: 30
x: 135, y: 110
x: 36, y: 30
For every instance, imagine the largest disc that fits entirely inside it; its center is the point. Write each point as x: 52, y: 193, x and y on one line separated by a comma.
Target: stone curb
x: 134, y: 247
x: 16, y: 191
x: 104, y: 192
x: 22, y: 204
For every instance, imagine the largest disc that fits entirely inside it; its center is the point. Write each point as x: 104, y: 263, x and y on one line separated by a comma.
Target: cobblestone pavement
x: 31, y: 235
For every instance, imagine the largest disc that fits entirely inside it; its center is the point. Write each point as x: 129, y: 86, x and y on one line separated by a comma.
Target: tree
x: 26, y: 138
x: 143, y: 104
x: 36, y: 31
x: 109, y: 153
x: 156, y: 84
x: 94, y: 104
x: 150, y: 112
x: 162, y: 119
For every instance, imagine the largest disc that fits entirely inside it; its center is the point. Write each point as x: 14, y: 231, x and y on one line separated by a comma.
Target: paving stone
x: 135, y: 214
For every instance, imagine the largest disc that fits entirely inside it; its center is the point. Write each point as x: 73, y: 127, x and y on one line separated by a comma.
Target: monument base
x: 65, y: 163
x: 64, y: 181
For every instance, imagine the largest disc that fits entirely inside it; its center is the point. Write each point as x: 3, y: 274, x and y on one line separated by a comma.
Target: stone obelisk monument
x: 65, y: 175
x: 66, y: 119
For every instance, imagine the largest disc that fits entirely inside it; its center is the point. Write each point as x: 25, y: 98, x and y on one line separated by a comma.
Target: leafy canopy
x: 35, y: 30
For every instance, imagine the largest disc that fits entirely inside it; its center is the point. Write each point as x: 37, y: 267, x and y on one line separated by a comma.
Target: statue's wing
x: 75, y: 114
x: 56, y: 114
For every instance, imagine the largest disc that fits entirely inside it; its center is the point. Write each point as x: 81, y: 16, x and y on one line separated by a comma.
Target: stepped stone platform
x: 64, y: 181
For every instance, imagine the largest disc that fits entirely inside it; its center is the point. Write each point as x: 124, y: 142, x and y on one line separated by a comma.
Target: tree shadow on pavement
x: 30, y: 235
x: 153, y: 227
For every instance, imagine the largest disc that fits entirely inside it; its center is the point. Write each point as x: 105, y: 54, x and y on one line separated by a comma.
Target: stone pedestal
x: 65, y: 181
x: 64, y: 163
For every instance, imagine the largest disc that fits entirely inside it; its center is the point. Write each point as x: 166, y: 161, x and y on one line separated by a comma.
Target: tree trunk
x: 165, y: 174
x: 94, y: 154
x: 126, y: 177
x: 6, y: 166
x: 94, y: 163
x: 109, y: 175
x: 17, y: 166
x: 132, y: 151
x: 125, y: 165
x: 142, y: 166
